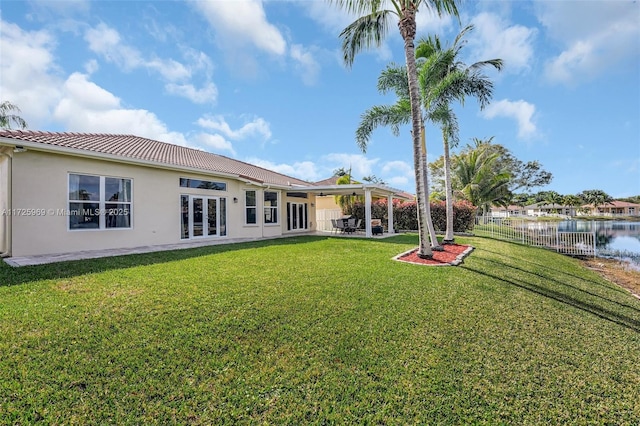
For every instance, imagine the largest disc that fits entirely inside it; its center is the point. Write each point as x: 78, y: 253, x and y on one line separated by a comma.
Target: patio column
x: 367, y: 213
x: 390, y: 214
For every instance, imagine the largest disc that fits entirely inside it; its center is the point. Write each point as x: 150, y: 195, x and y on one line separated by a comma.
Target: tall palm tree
x: 394, y: 78
x: 6, y: 118
x: 443, y: 79
x: 369, y: 30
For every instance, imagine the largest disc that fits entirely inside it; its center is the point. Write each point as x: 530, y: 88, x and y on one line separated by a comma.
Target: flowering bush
x: 405, y: 214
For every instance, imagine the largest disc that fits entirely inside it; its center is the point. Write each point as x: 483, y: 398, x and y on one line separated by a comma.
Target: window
x: 270, y: 207
x: 99, y: 202
x: 203, y: 184
x: 250, y: 208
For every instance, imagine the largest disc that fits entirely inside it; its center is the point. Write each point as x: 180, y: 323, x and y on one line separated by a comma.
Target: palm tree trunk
x: 448, y: 238
x: 407, y: 26
x: 423, y: 159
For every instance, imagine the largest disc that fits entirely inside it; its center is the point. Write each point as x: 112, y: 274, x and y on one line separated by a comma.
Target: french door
x: 203, y: 216
x: 296, y: 216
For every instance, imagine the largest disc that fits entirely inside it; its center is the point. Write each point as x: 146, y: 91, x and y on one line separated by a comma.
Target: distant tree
x: 477, y: 178
x: 634, y: 199
x: 6, y: 118
x: 553, y: 198
x: 341, y: 171
x: 572, y: 201
x: 596, y: 197
x: 374, y: 179
x: 346, y: 202
x: 520, y: 200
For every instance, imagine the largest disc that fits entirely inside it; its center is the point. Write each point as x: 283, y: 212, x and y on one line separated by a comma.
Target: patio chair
x: 339, y: 223
x: 351, y: 225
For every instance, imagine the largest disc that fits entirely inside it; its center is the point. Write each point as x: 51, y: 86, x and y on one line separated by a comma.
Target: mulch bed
x: 451, y: 256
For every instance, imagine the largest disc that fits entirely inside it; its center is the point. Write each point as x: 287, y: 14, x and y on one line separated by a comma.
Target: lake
x: 613, y: 238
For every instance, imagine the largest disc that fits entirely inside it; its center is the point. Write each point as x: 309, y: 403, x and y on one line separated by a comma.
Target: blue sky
x: 264, y: 82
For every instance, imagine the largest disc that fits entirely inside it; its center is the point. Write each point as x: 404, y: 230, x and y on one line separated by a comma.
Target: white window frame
x: 102, y: 223
x: 246, y: 207
x: 272, y: 209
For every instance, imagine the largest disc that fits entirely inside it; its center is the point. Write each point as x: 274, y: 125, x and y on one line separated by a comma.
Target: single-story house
x: 542, y: 209
x: 509, y: 211
x: 613, y: 208
x: 77, y: 192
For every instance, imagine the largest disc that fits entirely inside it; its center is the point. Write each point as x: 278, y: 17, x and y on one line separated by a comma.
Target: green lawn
x: 321, y: 331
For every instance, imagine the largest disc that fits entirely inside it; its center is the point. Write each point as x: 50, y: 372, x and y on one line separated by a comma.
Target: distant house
x: 613, y: 208
x: 75, y: 192
x: 509, y: 211
x: 541, y: 209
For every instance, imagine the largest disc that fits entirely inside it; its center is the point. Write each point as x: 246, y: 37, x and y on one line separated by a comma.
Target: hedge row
x: 405, y: 217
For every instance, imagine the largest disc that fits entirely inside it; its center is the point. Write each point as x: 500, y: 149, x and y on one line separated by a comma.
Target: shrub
x: 405, y: 214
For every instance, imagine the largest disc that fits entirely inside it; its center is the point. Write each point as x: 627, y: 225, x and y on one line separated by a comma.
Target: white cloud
x: 217, y: 142
x: 305, y: 170
x: 242, y: 22
x: 306, y: 64
x: 29, y: 73
x: 86, y: 107
x: 596, y: 36
x: 208, y: 93
x: 107, y: 42
x: 359, y: 164
x: 258, y: 127
x: 494, y: 38
x: 520, y: 110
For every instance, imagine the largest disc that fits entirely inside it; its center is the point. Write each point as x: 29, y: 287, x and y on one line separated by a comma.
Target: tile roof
x: 139, y: 148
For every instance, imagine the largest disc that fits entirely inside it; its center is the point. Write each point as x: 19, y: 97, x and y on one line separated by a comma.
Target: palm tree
x: 443, y: 79
x: 369, y: 30
x: 478, y: 181
x: 394, y: 78
x: 553, y: 198
x: 572, y: 201
x: 6, y: 118
x: 596, y: 197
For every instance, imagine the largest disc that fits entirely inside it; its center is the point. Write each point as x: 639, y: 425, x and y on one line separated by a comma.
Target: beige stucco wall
x: 5, y: 216
x: 40, y: 181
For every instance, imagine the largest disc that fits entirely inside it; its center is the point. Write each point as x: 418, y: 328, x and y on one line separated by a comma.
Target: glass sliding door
x: 212, y: 217
x: 202, y: 216
x: 296, y: 216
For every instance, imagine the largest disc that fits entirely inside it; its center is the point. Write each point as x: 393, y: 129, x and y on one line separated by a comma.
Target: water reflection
x: 611, y: 236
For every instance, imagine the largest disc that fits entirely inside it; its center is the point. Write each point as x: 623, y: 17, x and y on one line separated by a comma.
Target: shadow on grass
x: 14, y: 276
x: 598, y: 309
x: 517, y: 259
x: 560, y: 283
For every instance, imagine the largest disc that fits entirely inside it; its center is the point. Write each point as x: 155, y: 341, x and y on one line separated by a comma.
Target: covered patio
x: 369, y: 192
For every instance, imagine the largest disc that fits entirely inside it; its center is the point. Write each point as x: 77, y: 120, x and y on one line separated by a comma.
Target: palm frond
x: 394, y: 77
x: 382, y: 115
x: 364, y: 33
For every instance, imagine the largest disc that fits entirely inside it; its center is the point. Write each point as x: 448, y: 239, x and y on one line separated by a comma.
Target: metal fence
x: 537, y: 234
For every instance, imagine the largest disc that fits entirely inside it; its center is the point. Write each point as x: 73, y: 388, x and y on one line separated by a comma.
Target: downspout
x: 5, y: 248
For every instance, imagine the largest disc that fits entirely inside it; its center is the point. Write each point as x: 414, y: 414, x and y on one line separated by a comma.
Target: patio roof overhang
x: 376, y: 190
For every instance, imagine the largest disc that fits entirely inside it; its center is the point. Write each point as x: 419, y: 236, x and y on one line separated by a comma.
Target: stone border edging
x: 458, y: 260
